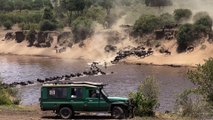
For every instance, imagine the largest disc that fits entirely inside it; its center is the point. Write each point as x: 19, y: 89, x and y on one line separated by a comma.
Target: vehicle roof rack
x: 80, y: 82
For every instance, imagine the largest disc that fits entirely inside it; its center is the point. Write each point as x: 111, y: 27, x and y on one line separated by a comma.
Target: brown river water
x: 125, y: 78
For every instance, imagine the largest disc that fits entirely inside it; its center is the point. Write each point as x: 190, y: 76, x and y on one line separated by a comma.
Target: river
x: 125, y: 78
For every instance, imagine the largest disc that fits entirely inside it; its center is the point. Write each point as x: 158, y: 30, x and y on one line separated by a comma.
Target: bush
x: 82, y: 28
x: 47, y: 25
x: 188, y: 35
x: 190, y: 105
x: 199, y: 15
x: 146, y: 24
x: 182, y: 14
x: 202, y: 77
x: 167, y: 19
x: 7, y: 95
x: 158, y: 3
x: 28, y: 26
x: 96, y: 13
x: 31, y: 37
x: 146, y: 97
x: 8, y: 24
x: 205, y: 21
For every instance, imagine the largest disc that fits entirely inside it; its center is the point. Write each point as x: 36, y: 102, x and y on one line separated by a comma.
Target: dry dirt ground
x: 34, y: 113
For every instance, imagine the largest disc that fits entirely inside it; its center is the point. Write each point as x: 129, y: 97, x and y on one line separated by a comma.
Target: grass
x: 16, y: 108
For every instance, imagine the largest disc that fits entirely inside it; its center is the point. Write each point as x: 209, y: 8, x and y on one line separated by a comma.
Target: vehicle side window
x: 93, y: 93
x: 76, y: 93
x: 57, y: 92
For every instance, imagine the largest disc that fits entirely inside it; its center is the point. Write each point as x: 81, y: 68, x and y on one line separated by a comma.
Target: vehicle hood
x: 113, y: 99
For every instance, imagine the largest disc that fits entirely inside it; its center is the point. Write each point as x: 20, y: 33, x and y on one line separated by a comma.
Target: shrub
x: 146, y: 24
x: 31, y: 37
x: 47, y: 25
x: 189, y: 34
x: 182, y: 14
x: 146, y: 97
x: 199, y: 15
x: 158, y: 3
x: 205, y: 21
x: 82, y: 28
x: 48, y: 14
x: 7, y: 95
x: 28, y: 26
x: 202, y: 77
x: 188, y: 104
x: 8, y: 24
x: 96, y: 13
x: 167, y: 19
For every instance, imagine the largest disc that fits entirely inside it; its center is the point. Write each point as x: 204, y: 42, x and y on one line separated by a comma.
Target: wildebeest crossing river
x: 125, y: 78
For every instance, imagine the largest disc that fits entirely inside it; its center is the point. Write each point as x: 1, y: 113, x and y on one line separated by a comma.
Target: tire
x: 65, y: 112
x: 118, y: 113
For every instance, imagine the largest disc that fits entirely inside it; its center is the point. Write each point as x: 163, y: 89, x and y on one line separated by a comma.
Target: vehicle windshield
x: 104, y: 93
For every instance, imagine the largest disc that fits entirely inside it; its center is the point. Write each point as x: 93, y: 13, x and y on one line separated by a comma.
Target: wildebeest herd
x: 139, y: 51
x: 94, y: 70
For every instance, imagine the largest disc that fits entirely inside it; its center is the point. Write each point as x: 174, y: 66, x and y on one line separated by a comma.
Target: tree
x: 19, y: 4
x: 182, y: 14
x: 8, y: 6
x: 146, y: 97
x: 37, y: 4
x: 167, y: 19
x: 205, y: 21
x: 107, y: 4
x: 27, y: 4
x: 146, y: 24
x: 202, y: 77
x: 69, y: 7
x: 96, y: 13
x: 158, y: 3
x: 8, y: 24
x: 48, y: 14
x: 47, y: 25
x: 188, y: 35
x: 199, y: 15
x: 82, y: 28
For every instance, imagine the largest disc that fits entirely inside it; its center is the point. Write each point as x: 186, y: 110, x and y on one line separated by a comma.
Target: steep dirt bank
x: 96, y: 53
x: 193, y: 58
x: 93, y: 48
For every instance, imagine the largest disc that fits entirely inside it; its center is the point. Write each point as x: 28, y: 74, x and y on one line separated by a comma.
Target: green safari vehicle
x: 68, y: 99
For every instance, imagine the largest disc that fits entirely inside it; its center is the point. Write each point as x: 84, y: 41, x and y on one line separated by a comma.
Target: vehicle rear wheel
x: 65, y: 112
x: 118, y: 113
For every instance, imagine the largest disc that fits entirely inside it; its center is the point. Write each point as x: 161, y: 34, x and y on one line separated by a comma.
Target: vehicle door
x: 92, y: 99
x: 77, y: 98
x: 104, y: 104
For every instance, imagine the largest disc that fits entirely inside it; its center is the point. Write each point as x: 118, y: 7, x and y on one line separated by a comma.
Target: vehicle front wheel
x: 65, y: 112
x: 118, y: 113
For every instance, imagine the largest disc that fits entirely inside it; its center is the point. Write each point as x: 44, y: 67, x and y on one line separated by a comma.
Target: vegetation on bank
x: 188, y: 34
x: 198, y: 102
x: 194, y: 103
x: 8, y: 95
x: 145, y: 98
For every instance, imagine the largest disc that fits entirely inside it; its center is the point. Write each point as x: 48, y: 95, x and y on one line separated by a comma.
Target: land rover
x: 76, y: 97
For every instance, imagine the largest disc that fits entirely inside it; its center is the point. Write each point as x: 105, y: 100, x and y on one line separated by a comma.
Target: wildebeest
x: 190, y: 49
x: 167, y: 52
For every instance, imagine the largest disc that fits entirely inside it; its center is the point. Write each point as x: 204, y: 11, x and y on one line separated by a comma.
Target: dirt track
x: 34, y: 113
